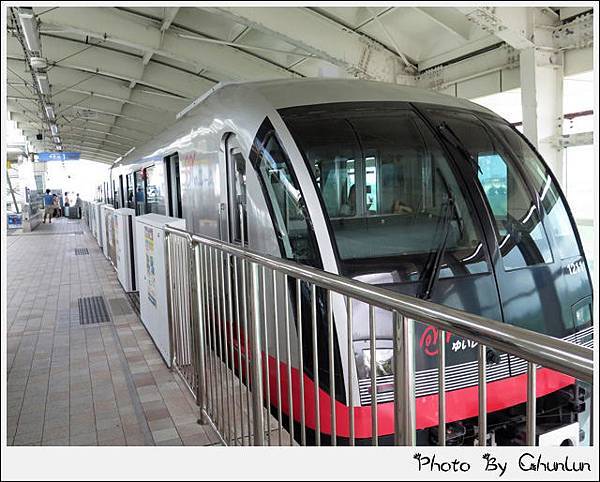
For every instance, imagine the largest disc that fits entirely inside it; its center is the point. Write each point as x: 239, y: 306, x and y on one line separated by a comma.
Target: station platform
x: 70, y: 383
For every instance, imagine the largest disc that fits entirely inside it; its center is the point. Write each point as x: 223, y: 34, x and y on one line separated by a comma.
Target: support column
x: 541, y: 71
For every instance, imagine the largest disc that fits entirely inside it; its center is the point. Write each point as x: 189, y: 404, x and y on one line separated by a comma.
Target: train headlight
x: 383, y: 362
x: 583, y: 314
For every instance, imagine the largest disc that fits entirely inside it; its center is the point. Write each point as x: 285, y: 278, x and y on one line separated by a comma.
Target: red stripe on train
x: 460, y: 404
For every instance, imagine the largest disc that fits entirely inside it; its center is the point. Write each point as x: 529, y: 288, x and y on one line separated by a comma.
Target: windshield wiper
x: 434, y: 270
x: 446, y: 131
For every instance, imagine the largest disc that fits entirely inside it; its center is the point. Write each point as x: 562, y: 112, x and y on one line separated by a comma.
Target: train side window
x: 140, y: 192
x: 130, y: 191
x: 236, y: 189
x: 121, y: 197
x: 155, y: 185
x: 282, y: 192
x: 174, y: 185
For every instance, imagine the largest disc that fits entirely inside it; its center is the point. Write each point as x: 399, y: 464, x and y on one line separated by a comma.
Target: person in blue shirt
x: 48, y: 206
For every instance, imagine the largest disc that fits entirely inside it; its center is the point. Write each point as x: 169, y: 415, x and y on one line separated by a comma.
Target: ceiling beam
x: 131, y: 31
x: 128, y: 137
x: 67, y: 53
x: 504, y: 57
x: 72, y: 104
x: 466, y: 50
x: 517, y: 26
x: 308, y: 30
x: 68, y: 80
x: 82, y: 142
x: 107, y: 133
x: 449, y: 19
x: 169, y: 16
x: 84, y: 135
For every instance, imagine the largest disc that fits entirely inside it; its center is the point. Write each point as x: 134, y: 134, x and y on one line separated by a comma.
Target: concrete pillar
x: 541, y: 71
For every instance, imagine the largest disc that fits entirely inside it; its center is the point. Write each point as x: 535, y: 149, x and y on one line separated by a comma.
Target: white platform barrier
x: 151, y: 267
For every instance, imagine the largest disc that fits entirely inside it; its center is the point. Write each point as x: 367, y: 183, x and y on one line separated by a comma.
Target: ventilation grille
x: 81, y: 251
x: 93, y: 310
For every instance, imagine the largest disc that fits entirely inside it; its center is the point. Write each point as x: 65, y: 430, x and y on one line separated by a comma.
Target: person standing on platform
x: 48, y: 206
x: 78, y: 204
x: 67, y: 205
x: 56, y: 204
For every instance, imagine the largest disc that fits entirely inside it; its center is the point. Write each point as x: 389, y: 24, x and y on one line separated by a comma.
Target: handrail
x: 550, y: 352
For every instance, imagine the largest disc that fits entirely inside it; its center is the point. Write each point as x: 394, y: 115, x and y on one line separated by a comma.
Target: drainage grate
x: 93, y: 310
x: 81, y: 251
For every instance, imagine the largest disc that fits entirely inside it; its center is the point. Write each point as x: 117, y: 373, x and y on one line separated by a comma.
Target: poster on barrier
x: 150, y: 265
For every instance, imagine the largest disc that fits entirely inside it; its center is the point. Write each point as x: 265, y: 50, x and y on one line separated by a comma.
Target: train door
x: 237, y: 230
x: 174, y: 186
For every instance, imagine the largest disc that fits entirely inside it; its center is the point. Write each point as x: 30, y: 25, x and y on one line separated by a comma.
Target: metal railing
x: 251, y: 334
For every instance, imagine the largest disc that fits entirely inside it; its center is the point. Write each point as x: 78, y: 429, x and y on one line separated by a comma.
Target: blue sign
x: 58, y: 156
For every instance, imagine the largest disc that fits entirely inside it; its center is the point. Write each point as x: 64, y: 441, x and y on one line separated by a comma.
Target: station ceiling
x: 118, y: 76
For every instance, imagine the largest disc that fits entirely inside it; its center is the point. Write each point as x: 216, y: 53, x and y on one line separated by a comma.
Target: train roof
x: 282, y: 93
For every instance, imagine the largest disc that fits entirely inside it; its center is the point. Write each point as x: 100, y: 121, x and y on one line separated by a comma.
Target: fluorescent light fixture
x: 129, y: 152
x: 54, y: 129
x: 50, y: 111
x: 29, y: 28
x: 118, y: 159
x: 42, y: 80
x: 56, y: 139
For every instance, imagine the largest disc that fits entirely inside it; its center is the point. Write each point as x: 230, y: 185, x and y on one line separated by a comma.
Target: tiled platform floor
x: 72, y: 384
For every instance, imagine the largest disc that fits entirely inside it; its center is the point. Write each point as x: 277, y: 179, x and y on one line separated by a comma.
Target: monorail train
x: 424, y: 194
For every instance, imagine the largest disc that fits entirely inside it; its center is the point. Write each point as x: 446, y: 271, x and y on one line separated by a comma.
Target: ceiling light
x: 42, y: 80
x: 56, y: 139
x: 50, y: 111
x: 29, y: 28
x: 54, y: 129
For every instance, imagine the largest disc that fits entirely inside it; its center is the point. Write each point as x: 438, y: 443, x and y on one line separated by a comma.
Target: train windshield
x: 389, y: 191
x: 516, y: 185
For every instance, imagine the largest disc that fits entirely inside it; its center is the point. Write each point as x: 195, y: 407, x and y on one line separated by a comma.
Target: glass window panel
x: 155, y: 196
x: 388, y: 189
x: 557, y: 220
x: 140, y: 194
x: 130, y: 191
x: 282, y: 191
x: 238, y: 185
x: 521, y: 236
x: 493, y: 176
